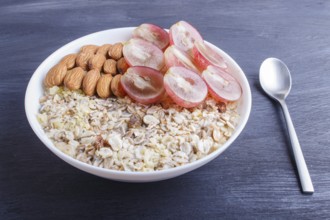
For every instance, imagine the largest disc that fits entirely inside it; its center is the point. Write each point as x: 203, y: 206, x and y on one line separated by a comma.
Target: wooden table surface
x: 255, y: 178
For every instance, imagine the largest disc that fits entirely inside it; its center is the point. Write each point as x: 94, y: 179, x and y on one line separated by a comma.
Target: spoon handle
x: 305, y: 179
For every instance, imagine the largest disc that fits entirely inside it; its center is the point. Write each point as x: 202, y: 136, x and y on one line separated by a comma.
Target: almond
x: 116, y: 87
x: 104, y: 49
x: 103, y: 86
x: 96, y: 62
x: 73, y: 78
x: 109, y: 67
x: 69, y: 60
x: 122, y: 65
x: 55, y: 75
x: 89, y: 48
x: 90, y: 81
x: 116, y: 51
x: 82, y: 59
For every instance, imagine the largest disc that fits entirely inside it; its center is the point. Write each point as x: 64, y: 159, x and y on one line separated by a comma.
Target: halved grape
x: 143, y: 84
x: 184, y: 35
x: 222, y: 86
x: 153, y: 34
x: 138, y: 52
x: 185, y: 87
x: 176, y: 57
x: 205, y: 55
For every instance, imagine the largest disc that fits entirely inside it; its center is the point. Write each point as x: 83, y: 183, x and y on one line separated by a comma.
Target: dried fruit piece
x: 222, y: 107
x: 116, y: 87
x: 82, y: 59
x: 89, y: 48
x: 96, y: 62
x: 73, y: 78
x: 103, y: 49
x: 103, y: 86
x: 109, y: 67
x: 122, y: 65
x: 135, y: 121
x: 69, y: 60
x: 55, y: 75
x: 116, y: 51
x: 90, y: 81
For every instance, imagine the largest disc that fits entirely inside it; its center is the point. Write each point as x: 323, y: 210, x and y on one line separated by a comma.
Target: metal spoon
x: 275, y: 80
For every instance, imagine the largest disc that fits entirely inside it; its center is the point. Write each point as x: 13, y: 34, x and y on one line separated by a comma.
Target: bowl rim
x: 76, y: 163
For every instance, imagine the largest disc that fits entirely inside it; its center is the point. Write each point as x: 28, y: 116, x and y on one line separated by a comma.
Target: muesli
x: 119, y: 134
x: 158, y: 101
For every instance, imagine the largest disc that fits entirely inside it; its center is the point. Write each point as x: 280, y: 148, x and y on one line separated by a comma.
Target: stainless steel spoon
x: 275, y: 80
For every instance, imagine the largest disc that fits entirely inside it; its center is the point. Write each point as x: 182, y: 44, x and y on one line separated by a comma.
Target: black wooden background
x: 254, y: 179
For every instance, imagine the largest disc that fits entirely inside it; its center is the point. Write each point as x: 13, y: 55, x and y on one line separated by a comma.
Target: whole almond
x: 90, y: 81
x: 116, y: 51
x: 103, y: 86
x: 73, y: 78
x: 89, y: 48
x: 96, y: 62
x: 69, y: 60
x: 109, y: 67
x: 122, y: 65
x: 116, y: 87
x: 55, y: 75
x: 83, y: 58
x: 104, y: 49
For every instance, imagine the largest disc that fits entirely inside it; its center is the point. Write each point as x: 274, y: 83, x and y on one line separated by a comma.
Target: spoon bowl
x: 275, y: 80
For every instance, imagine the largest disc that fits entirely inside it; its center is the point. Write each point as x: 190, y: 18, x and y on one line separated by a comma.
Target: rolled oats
x: 118, y: 134
x: 150, y: 120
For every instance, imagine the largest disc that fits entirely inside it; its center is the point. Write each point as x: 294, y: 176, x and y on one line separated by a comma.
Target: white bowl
x: 35, y: 90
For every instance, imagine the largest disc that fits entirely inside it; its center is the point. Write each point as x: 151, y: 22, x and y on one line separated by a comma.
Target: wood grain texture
x: 254, y: 179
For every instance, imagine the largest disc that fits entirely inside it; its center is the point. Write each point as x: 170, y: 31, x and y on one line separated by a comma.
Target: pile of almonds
x: 95, y: 69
